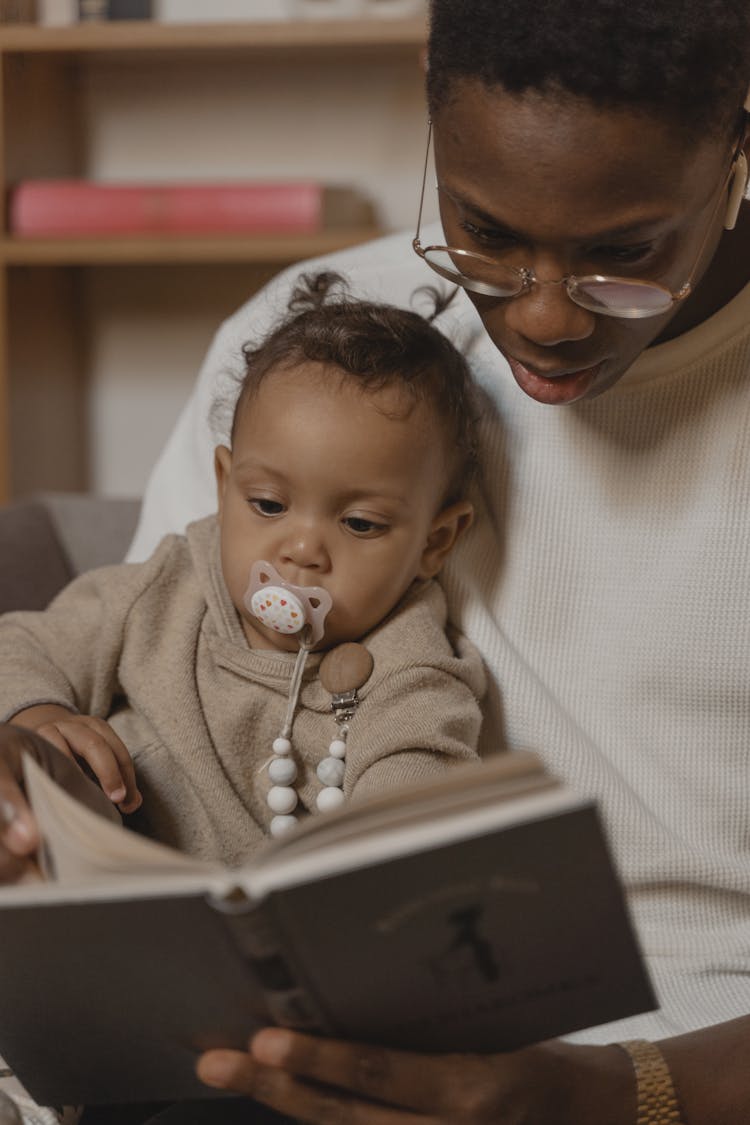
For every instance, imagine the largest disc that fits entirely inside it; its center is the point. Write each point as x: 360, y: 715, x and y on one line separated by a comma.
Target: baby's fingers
x: 94, y: 740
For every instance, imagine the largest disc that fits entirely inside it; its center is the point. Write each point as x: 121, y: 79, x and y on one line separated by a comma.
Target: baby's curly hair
x: 687, y: 61
x: 378, y: 345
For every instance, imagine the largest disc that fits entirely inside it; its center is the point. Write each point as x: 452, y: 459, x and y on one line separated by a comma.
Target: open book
x: 480, y: 912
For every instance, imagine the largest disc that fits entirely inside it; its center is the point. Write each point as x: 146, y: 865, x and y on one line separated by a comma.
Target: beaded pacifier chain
x: 302, y: 610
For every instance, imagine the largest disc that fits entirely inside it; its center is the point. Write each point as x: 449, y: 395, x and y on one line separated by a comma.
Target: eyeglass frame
x: 527, y: 276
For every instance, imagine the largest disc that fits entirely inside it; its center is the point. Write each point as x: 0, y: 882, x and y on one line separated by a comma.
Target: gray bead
x: 282, y: 771
x: 331, y: 771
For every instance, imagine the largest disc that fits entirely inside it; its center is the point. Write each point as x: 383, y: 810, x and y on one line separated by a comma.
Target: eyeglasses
x: 608, y: 296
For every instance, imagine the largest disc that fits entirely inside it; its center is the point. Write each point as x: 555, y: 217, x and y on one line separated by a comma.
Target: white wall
x: 355, y: 122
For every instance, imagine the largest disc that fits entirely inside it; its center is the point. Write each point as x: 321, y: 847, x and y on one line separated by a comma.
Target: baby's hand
x: 85, y: 736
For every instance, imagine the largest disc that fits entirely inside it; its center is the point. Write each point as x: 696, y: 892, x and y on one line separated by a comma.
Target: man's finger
x: 287, y: 1094
x: 398, y: 1078
x: 18, y: 831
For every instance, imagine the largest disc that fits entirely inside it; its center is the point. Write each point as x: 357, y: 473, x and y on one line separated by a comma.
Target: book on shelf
x: 66, y: 207
x: 114, y: 10
x: 479, y: 912
x: 17, y: 11
x: 223, y: 11
x: 249, y: 11
x: 362, y: 9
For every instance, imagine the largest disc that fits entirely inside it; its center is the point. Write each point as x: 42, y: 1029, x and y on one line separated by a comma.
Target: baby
x: 293, y: 649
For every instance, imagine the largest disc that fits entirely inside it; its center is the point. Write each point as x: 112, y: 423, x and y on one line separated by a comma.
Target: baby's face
x: 336, y: 487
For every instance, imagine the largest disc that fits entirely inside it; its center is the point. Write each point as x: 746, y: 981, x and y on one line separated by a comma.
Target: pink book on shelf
x: 71, y: 207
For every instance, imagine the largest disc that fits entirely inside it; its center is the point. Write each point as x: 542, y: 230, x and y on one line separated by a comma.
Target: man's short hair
x: 685, y: 60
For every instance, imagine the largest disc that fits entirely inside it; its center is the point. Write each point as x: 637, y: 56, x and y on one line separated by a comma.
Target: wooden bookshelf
x: 285, y: 35
x: 280, y: 250
x: 42, y: 323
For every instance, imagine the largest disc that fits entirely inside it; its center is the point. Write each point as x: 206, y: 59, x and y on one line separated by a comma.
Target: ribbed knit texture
x: 606, y: 584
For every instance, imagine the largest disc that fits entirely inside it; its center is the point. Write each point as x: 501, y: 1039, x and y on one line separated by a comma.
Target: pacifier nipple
x: 284, y: 607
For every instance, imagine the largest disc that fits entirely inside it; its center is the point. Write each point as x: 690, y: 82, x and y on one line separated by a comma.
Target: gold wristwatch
x: 656, y: 1096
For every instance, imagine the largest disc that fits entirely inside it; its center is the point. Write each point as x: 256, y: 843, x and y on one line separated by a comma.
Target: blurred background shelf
x: 95, y: 357
x: 286, y: 35
x: 276, y: 249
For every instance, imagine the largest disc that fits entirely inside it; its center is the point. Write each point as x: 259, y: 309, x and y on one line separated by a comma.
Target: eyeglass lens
x: 610, y: 296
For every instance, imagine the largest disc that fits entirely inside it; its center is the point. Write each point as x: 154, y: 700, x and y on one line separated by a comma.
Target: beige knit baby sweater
x: 157, y: 648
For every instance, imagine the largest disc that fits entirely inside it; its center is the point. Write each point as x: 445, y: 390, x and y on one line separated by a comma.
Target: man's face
x: 337, y: 487
x: 560, y: 187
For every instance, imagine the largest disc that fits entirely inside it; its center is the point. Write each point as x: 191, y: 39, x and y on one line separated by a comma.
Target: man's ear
x: 445, y: 531
x: 740, y: 176
x: 222, y: 468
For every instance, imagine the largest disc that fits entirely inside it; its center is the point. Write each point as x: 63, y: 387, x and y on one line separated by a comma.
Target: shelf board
x: 160, y: 250
x: 148, y: 35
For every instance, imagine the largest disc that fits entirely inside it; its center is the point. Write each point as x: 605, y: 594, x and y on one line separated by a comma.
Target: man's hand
x: 93, y: 740
x: 19, y: 836
x: 326, y: 1082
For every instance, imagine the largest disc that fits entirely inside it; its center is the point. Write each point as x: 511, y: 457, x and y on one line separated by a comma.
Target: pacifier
x: 284, y: 607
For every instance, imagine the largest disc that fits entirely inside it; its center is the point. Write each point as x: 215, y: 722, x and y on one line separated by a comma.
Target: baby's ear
x: 222, y: 468
x: 445, y: 531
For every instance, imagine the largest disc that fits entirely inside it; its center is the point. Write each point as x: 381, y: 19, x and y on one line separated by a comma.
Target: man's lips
x: 554, y: 387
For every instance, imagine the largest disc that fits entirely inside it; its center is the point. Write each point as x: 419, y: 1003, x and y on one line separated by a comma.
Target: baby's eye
x: 363, y: 527
x: 265, y: 507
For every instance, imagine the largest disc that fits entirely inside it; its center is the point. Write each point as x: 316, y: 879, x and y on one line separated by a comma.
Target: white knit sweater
x: 606, y: 584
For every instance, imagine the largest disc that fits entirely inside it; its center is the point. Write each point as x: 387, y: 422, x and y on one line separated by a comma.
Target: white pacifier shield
x: 284, y: 607
x: 279, y: 609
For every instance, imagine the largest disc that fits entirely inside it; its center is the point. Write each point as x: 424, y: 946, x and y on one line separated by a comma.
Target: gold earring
x: 737, y: 191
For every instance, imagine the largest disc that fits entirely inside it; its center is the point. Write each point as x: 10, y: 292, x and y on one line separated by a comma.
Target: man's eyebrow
x: 641, y: 229
x: 482, y: 215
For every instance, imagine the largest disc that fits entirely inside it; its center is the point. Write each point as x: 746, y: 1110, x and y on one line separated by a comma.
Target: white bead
x: 282, y: 771
x: 282, y: 746
x: 337, y: 748
x: 330, y: 798
x: 330, y: 771
x: 281, y: 799
x: 280, y: 825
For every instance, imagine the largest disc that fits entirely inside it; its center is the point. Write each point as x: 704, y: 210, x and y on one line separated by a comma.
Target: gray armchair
x: 46, y: 540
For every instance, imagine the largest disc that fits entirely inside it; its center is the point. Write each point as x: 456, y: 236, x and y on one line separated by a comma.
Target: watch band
x: 656, y: 1096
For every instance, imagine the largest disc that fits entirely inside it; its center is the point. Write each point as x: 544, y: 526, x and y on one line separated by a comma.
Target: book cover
x: 82, y: 207
x: 478, y: 914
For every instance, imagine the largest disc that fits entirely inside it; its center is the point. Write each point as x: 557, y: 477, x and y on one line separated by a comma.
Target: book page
x: 79, y: 846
